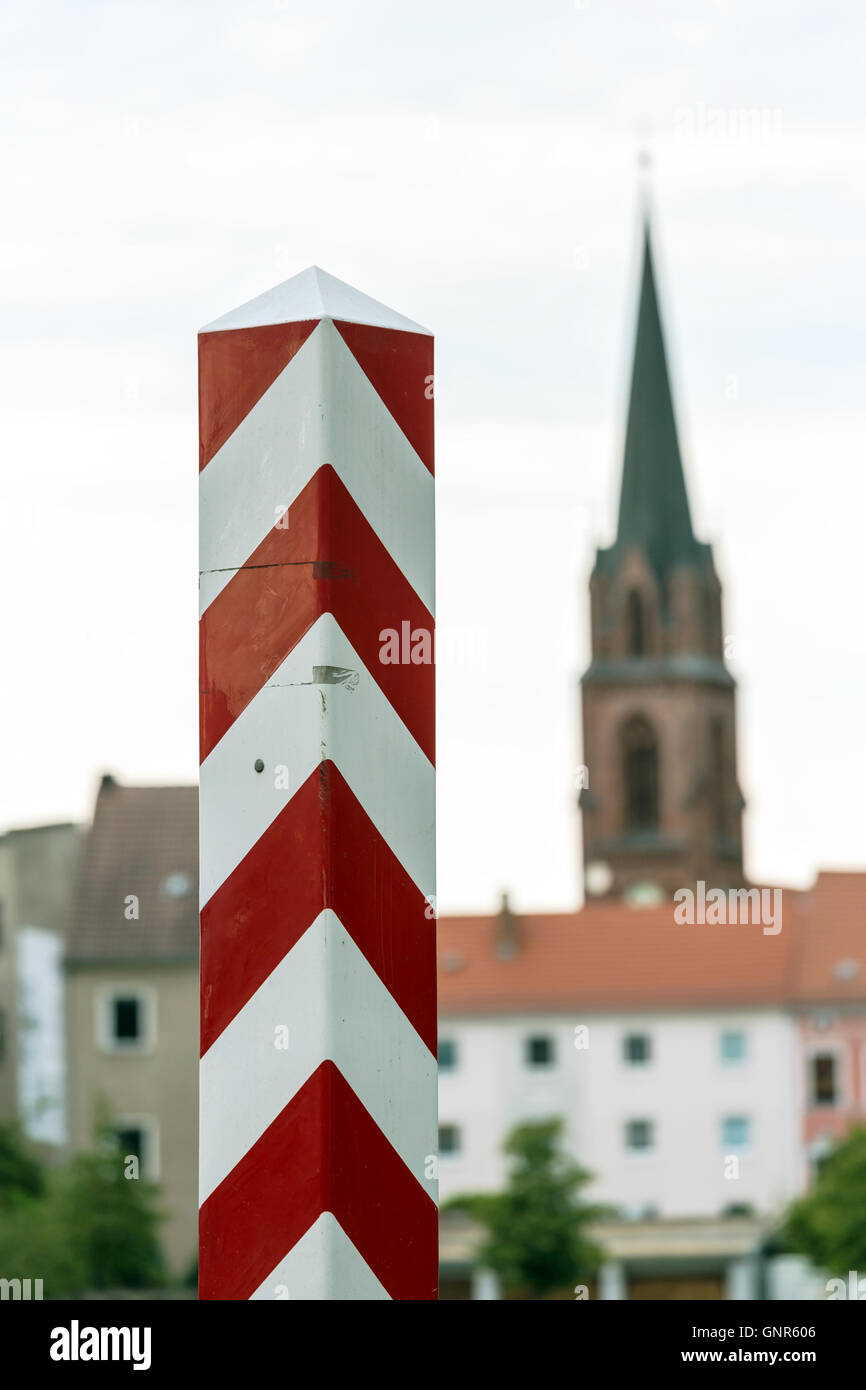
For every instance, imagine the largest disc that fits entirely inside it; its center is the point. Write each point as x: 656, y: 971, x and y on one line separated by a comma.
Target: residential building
x: 38, y: 865
x: 679, y: 1058
x: 132, y: 992
x: 830, y: 1016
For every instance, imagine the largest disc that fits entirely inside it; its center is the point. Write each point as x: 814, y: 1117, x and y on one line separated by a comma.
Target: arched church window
x: 635, y: 624
x: 641, y: 760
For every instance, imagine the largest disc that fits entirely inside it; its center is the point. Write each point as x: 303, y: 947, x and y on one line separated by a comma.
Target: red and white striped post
x: 317, y: 804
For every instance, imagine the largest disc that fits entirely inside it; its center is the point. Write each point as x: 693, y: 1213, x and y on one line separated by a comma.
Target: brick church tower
x: 663, y: 807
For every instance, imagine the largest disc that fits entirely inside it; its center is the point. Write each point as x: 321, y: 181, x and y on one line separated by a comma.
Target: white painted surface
x: 313, y: 294
x: 335, y: 1008
x: 741, y: 1279
x: 41, y: 1040
x: 295, y: 724
x: 321, y: 409
x: 685, y: 1090
x: 324, y: 1265
x: 612, y: 1282
x: 485, y: 1285
x: 792, y: 1277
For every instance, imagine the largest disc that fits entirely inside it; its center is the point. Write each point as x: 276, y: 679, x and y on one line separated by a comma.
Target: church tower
x: 662, y: 807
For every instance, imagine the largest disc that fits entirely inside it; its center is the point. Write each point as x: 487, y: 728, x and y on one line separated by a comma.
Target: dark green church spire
x: 653, y: 507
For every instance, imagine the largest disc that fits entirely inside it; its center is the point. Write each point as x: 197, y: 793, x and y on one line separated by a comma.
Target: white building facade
x: 677, y: 1114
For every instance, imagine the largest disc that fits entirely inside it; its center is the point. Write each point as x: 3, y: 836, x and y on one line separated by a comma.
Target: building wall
x: 160, y: 1085
x: 840, y: 1033
x: 46, y: 863
x: 685, y: 1090
x: 42, y: 1038
x: 8, y: 987
x: 37, y: 876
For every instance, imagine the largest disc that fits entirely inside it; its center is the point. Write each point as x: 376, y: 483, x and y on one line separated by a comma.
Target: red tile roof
x: 620, y: 957
x: 831, y: 940
x: 144, y: 841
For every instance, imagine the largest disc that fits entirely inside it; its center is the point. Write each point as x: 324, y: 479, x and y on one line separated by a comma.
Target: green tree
x: 82, y: 1227
x: 536, y: 1238
x: 32, y: 1243
x: 828, y: 1224
x: 20, y: 1173
x: 111, y: 1219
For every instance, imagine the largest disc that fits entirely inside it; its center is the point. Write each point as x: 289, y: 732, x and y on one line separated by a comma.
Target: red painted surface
x: 328, y: 560
x: 400, y: 366
x: 235, y: 369
x: 322, y: 1153
x: 298, y: 868
x: 845, y: 1038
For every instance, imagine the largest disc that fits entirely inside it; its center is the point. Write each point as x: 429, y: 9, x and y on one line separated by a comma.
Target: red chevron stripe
x: 400, y: 366
x: 328, y: 560
x: 235, y: 369
x: 298, y: 868
x: 322, y: 1153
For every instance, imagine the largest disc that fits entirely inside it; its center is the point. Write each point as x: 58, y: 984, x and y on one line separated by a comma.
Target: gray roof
x: 143, y: 843
x: 654, y: 507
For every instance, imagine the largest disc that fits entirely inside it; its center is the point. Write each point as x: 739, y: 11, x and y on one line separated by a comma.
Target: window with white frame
x: 450, y: 1141
x: 637, y: 1049
x: 732, y: 1046
x: 126, y: 1019
x: 447, y: 1051
x: 639, y: 1136
x: 736, y: 1132
x: 539, y: 1051
x: 137, y: 1136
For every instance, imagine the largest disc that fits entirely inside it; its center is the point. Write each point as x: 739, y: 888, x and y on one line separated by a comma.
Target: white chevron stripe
x: 324, y: 1265
x: 335, y: 1008
x: 293, y: 724
x: 321, y: 409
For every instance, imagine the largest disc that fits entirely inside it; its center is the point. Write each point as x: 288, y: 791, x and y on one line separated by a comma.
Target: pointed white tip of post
x: 314, y: 294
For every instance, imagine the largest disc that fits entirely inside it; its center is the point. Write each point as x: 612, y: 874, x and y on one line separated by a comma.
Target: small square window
x: 539, y: 1052
x: 126, y: 1019
x: 736, y: 1132
x: 136, y: 1137
x: 637, y: 1049
x: 639, y: 1137
x: 732, y: 1045
x: 447, y: 1054
x: 449, y: 1140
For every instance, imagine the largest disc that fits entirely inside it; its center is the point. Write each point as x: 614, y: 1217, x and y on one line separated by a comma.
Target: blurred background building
x: 37, y: 881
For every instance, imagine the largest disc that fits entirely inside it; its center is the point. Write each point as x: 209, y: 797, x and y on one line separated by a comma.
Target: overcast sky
x: 473, y: 165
